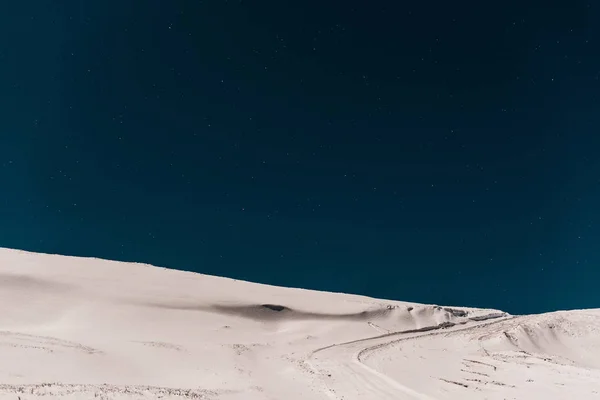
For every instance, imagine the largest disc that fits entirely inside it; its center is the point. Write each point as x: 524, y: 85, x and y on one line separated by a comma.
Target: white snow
x: 77, y: 328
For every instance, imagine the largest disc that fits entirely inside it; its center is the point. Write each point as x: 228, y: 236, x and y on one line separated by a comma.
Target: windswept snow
x: 76, y: 328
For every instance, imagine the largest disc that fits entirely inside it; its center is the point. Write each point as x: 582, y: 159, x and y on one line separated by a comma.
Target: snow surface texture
x: 75, y: 328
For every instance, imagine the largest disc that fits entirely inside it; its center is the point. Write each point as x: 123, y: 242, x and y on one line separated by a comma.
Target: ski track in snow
x: 355, y: 378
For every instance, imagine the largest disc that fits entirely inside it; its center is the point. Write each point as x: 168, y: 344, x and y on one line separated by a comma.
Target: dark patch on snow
x: 456, y: 312
x: 274, y: 307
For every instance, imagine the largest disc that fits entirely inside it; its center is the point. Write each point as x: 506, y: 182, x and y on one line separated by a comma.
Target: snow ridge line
x: 443, y: 325
x: 497, y: 317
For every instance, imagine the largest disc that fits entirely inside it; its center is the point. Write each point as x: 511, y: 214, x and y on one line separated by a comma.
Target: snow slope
x: 76, y: 328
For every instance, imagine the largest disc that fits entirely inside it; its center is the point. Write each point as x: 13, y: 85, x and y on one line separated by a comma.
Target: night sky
x: 436, y: 152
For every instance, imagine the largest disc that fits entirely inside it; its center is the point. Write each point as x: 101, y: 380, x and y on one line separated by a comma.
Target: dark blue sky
x: 433, y: 152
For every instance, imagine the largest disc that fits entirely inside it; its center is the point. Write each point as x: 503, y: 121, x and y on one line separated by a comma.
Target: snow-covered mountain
x: 79, y: 328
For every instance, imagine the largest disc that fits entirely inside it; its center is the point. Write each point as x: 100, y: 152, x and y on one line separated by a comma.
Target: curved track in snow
x: 346, y: 376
